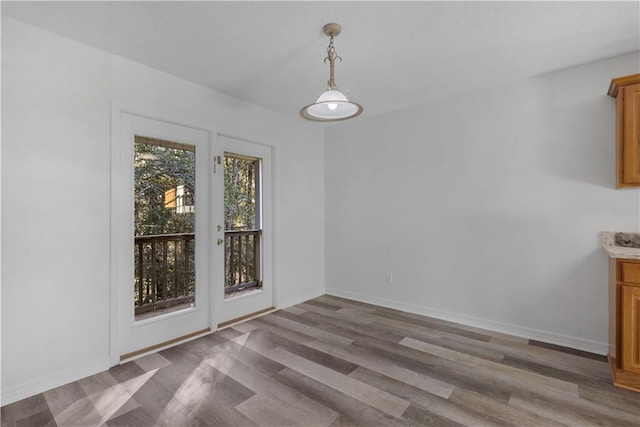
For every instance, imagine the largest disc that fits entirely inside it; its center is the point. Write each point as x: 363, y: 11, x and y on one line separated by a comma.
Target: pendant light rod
x: 331, y: 84
x: 332, y: 30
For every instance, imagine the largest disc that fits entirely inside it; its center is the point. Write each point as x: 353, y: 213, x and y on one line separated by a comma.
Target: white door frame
x: 120, y: 225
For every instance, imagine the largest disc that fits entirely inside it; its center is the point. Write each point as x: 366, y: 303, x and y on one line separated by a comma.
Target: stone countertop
x: 609, y: 247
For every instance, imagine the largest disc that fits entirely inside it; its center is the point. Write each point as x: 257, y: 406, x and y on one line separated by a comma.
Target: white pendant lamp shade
x: 332, y: 105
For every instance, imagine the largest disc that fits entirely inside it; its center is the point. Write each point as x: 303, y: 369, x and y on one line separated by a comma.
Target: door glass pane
x: 242, y: 224
x: 164, y: 219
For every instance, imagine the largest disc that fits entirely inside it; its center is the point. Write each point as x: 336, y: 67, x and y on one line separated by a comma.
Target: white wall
x: 56, y: 100
x: 486, y: 208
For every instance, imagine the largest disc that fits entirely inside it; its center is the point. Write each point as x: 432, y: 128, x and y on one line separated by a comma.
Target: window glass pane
x: 164, y: 220
x: 242, y: 224
x: 240, y: 192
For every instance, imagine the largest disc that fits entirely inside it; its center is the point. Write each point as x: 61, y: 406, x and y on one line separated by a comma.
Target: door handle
x: 220, y: 241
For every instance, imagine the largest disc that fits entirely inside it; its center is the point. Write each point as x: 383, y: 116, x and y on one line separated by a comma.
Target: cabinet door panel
x: 630, y: 272
x: 631, y: 328
x: 631, y: 134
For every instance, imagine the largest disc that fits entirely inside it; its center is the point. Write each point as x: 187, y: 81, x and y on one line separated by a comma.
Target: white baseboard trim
x: 491, y: 325
x: 30, y: 388
x: 40, y: 385
x: 48, y: 382
x: 299, y: 299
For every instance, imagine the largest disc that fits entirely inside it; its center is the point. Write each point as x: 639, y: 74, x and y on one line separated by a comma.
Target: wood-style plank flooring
x: 335, y: 362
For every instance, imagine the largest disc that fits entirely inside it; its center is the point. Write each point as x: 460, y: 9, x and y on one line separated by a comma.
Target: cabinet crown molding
x: 618, y: 82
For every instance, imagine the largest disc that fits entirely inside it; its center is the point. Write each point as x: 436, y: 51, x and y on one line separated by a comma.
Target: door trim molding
x: 114, y: 294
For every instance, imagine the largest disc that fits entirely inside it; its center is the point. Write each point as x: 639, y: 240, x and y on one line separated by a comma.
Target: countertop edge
x: 613, y: 251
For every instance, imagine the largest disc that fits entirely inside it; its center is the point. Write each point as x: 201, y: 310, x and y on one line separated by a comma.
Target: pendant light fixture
x: 332, y: 105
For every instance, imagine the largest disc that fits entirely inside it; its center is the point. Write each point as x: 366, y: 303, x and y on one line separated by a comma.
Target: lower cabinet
x: 624, y: 322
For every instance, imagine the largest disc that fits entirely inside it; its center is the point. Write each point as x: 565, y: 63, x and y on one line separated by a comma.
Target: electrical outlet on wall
x: 388, y: 277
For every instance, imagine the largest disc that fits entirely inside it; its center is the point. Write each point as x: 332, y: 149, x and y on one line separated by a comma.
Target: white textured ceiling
x: 395, y: 54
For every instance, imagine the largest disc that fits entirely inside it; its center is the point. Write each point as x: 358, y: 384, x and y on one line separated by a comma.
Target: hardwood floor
x: 335, y: 362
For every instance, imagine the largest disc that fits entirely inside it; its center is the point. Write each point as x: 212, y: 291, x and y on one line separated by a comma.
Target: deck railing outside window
x: 242, y: 260
x: 165, y: 270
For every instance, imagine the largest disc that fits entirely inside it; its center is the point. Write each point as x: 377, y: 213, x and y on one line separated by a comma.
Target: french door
x: 161, y: 208
x: 242, y: 214
x: 191, y: 232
